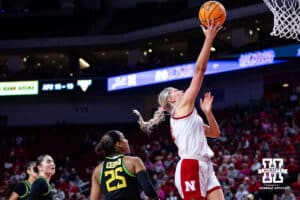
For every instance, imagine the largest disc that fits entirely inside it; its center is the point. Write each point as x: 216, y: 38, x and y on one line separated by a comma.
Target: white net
x: 286, y: 18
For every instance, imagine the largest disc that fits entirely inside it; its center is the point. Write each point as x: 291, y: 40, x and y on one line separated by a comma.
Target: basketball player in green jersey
x: 41, y: 189
x: 22, y: 189
x: 119, y: 176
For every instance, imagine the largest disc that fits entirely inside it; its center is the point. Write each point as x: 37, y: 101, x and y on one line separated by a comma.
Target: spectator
x: 59, y: 195
x: 241, y: 193
x: 288, y: 194
x: 227, y: 193
x: 255, y: 166
x: 296, y: 186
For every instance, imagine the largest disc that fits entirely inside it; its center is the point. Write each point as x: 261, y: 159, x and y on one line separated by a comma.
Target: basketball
x: 212, y: 10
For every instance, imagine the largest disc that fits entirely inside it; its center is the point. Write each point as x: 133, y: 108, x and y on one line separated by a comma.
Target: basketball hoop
x: 286, y: 18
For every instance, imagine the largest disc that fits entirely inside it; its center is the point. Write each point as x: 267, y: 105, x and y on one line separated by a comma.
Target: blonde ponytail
x: 147, y: 126
x: 159, y: 114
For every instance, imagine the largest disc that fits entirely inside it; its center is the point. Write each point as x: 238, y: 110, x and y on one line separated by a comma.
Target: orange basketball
x: 212, y: 10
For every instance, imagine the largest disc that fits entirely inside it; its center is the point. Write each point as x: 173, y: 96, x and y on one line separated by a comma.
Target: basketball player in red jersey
x: 194, y: 177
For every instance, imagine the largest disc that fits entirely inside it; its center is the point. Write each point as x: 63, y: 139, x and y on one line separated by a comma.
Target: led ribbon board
x: 285, y: 51
x: 184, y: 71
x: 49, y: 86
x: 14, y: 88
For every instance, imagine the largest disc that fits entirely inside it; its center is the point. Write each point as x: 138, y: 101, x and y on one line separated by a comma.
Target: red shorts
x: 195, y: 179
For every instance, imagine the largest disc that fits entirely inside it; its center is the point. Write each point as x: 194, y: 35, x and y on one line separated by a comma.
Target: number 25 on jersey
x: 115, y: 181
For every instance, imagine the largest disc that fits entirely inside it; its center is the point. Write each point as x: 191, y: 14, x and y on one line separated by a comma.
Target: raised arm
x: 187, y: 102
x: 213, y: 129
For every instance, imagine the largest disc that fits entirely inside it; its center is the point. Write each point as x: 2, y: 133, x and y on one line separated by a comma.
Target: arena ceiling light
x: 285, y: 85
x: 83, y: 64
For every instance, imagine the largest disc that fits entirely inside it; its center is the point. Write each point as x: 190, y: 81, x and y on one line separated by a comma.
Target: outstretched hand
x: 206, y: 102
x: 211, y: 30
